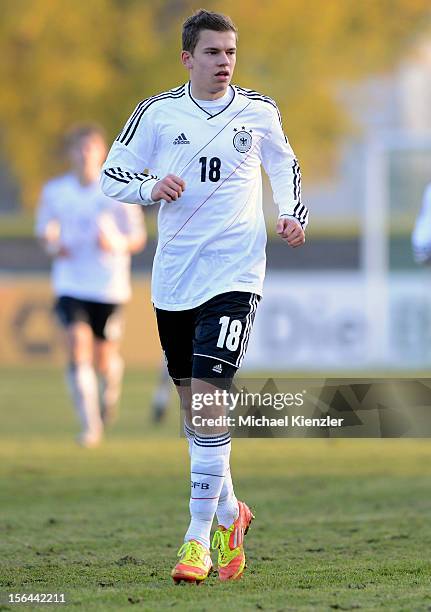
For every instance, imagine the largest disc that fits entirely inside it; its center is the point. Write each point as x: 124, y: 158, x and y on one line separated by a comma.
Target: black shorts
x: 208, y: 342
x: 105, y: 320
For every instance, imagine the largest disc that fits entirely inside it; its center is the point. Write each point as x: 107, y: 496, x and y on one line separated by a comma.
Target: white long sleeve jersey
x: 212, y: 239
x: 77, y: 214
x: 421, y: 237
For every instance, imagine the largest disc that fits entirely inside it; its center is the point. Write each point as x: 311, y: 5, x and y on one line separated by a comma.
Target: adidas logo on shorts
x: 181, y: 139
x: 218, y: 368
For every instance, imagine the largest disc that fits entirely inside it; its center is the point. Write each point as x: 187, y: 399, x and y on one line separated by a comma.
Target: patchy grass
x: 340, y: 524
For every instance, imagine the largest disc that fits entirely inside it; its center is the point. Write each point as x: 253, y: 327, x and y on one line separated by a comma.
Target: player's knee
x: 109, y: 363
x: 80, y: 343
x: 213, y: 372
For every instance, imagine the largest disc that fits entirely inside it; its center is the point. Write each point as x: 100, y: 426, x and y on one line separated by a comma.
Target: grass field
x: 340, y: 524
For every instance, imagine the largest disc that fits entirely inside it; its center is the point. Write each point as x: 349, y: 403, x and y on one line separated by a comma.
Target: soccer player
x: 161, y: 396
x: 90, y: 238
x: 204, y: 143
x: 421, y: 237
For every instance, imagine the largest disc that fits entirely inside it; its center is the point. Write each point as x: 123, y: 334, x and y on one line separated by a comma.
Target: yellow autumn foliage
x: 64, y: 61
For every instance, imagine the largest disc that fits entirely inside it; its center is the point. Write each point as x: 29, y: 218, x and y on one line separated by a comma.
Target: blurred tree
x: 64, y: 61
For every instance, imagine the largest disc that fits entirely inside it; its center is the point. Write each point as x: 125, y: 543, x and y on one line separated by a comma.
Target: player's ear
x: 187, y: 59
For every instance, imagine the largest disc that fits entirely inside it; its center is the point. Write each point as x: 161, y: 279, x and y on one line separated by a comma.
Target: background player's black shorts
x: 208, y: 342
x: 104, y: 319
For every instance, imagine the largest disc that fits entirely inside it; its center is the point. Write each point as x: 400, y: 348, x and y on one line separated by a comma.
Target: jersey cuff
x: 291, y: 217
x: 145, y: 189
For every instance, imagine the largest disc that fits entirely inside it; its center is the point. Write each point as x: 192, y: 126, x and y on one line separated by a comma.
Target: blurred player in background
x: 162, y: 394
x: 205, y: 141
x: 90, y: 238
x: 421, y: 238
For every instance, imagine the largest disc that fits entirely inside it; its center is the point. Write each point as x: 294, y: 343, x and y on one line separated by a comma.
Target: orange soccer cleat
x: 231, y: 556
x: 195, y: 563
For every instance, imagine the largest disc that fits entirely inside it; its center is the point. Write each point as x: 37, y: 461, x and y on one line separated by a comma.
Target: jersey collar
x: 203, y: 111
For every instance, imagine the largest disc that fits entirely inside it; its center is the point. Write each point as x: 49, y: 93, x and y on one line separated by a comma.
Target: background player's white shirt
x: 421, y: 238
x: 79, y: 213
x: 212, y: 240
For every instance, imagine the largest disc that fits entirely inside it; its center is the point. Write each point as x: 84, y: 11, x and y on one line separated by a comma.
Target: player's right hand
x: 169, y: 188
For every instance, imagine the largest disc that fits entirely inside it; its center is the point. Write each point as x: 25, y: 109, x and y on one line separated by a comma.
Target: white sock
x: 110, y: 386
x: 227, y: 508
x: 209, y: 463
x: 190, y: 435
x: 82, y: 382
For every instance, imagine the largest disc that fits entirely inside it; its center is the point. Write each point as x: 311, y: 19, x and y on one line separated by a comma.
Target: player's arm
x: 123, y: 174
x: 47, y: 226
x: 127, y: 234
x: 284, y: 173
x: 137, y: 234
x: 421, y: 237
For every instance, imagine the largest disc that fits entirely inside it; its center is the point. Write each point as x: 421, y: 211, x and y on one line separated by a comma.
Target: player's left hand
x: 114, y: 243
x: 110, y: 239
x: 290, y: 231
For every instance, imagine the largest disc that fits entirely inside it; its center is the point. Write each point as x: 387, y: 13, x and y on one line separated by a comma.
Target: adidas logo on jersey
x: 181, y: 139
x: 218, y: 368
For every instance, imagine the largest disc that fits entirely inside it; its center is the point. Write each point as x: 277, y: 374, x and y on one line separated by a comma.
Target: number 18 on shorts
x: 209, y: 341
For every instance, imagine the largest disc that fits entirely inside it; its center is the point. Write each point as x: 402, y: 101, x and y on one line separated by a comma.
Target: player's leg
x: 110, y: 369
x: 161, y: 394
x: 184, y: 391
x: 222, y: 332
x: 209, y: 459
x: 81, y: 377
x: 176, y: 331
x: 107, y: 325
x: 227, y: 505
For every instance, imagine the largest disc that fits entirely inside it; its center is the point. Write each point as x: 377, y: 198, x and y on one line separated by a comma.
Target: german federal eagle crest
x: 242, y: 140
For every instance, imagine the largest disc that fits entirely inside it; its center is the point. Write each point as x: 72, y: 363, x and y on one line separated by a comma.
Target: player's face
x: 87, y: 154
x: 211, y: 64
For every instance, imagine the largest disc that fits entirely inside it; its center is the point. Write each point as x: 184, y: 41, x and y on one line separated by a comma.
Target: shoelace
x: 191, y: 552
x: 220, y: 543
